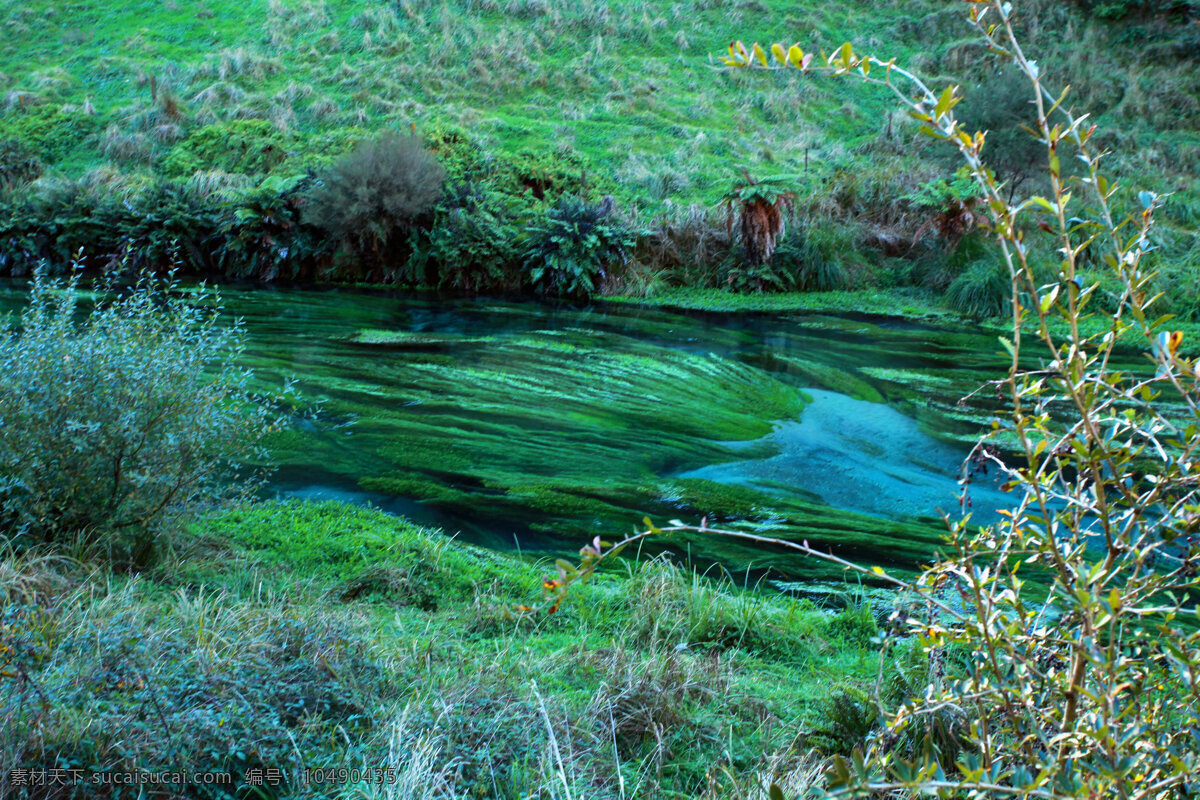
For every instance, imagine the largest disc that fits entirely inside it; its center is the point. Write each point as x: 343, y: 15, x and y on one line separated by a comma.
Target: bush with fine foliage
x: 373, y: 196
x: 113, y: 425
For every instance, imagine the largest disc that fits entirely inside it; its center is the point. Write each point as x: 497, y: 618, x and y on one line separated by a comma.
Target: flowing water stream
x: 539, y: 426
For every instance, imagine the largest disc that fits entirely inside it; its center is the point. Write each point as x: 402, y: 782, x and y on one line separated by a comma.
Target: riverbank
x: 294, y: 636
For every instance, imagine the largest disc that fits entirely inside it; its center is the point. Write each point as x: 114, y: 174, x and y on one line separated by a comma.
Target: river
x: 537, y: 426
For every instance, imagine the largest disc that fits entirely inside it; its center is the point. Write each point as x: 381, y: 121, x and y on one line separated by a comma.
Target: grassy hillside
x: 527, y: 100
x: 627, y: 87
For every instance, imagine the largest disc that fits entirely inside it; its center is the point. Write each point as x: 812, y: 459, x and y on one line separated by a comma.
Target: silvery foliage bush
x: 115, y: 420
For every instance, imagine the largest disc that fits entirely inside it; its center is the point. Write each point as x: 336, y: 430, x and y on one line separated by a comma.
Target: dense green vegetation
x: 324, y: 636
x: 153, y: 617
x: 149, y: 625
x: 209, y: 132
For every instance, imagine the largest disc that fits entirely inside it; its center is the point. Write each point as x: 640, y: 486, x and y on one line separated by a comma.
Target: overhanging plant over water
x: 1078, y: 611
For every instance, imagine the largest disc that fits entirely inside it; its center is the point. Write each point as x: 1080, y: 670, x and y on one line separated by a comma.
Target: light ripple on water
x: 861, y: 456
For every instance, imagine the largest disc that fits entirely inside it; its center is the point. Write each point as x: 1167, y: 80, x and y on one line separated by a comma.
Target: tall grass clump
x: 813, y: 261
x: 117, y: 419
x: 981, y: 290
x: 690, y: 243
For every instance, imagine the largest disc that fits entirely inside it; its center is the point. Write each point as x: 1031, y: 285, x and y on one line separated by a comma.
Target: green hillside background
x: 549, y: 96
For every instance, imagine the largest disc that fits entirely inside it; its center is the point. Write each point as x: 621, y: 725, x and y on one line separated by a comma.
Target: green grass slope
x: 630, y: 87
x: 297, y: 637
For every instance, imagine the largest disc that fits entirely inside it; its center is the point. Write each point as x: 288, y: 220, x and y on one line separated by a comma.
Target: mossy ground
x: 292, y: 635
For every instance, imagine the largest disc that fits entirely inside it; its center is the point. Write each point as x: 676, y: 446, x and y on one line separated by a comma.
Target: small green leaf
x: 1048, y: 299
x: 945, y: 102
x: 847, y: 55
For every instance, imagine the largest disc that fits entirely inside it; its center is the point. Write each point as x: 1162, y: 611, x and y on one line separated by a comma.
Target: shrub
x: 111, y: 427
x: 472, y: 245
x: 373, y: 196
x: 57, y: 218
x: 248, y: 146
x: 18, y: 164
x: 266, y: 237
x: 568, y: 250
x: 848, y: 715
x: 51, y: 133
x: 742, y: 274
x: 950, y: 202
x: 169, y: 222
x: 543, y: 174
x: 145, y: 681
x: 1000, y: 105
x: 458, y: 152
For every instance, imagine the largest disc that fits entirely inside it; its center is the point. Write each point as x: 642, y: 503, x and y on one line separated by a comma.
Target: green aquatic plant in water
x: 537, y: 424
x: 540, y: 423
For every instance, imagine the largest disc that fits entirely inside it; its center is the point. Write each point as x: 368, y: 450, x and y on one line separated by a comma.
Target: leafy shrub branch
x: 1077, y: 612
x: 112, y: 426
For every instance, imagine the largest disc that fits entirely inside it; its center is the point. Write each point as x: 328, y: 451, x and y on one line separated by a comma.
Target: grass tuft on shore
x: 316, y: 635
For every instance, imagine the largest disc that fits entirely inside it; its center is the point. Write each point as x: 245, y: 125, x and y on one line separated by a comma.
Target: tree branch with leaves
x: 1075, y: 617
